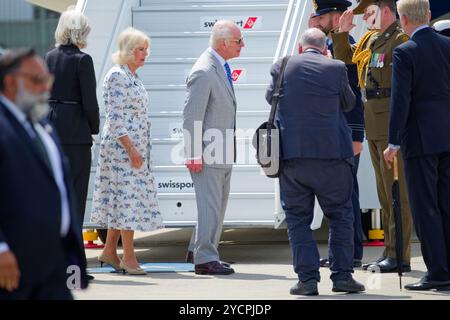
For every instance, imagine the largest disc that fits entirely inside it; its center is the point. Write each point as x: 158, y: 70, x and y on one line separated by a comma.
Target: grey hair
x: 128, y: 40
x: 222, y: 30
x: 417, y: 11
x: 73, y: 28
x: 313, y: 37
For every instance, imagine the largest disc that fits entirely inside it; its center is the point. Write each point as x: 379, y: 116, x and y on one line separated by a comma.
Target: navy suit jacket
x: 310, y: 113
x: 74, y: 81
x: 30, y: 208
x: 355, y: 117
x: 420, y: 101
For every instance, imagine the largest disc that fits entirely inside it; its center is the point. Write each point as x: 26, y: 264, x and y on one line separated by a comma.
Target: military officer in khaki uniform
x: 373, y: 57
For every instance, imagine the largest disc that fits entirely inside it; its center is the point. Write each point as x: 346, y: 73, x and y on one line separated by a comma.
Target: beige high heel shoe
x: 106, y: 260
x: 132, y: 271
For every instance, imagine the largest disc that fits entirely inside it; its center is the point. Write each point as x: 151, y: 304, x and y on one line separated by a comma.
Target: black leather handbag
x: 266, y: 139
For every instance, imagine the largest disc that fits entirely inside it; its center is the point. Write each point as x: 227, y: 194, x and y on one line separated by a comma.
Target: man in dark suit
x: 419, y: 125
x: 326, y: 18
x: 39, y: 238
x: 317, y: 154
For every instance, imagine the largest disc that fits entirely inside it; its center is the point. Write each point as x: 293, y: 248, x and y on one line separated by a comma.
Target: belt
x: 379, y: 93
x: 64, y: 102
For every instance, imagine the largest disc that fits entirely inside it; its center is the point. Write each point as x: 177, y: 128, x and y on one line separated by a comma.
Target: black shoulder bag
x: 266, y: 139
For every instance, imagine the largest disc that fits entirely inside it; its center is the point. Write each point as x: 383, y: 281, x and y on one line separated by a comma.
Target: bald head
x: 313, y: 38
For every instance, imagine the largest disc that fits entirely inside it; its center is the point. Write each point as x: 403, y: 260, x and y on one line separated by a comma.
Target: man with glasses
x: 210, y: 145
x: 39, y: 236
x: 373, y: 58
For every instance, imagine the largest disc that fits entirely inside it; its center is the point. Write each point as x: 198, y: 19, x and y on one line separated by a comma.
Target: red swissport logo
x: 250, y: 22
x: 236, y: 74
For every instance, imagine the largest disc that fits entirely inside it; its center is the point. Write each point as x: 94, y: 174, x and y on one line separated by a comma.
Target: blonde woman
x: 125, y: 197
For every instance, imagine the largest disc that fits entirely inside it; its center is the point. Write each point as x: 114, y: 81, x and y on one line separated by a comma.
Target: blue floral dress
x: 125, y: 198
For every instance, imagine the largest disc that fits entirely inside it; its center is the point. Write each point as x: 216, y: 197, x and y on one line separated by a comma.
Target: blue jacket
x: 420, y: 101
x: 355, y: 117
x: 310, y: 112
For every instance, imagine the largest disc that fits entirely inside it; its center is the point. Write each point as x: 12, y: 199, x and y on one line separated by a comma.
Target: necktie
x: 40, y: 147
x: 230, y: 78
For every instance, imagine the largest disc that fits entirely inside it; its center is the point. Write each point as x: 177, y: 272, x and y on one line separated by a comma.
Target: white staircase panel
x: 175, y: 72
x: 201, y: 19
x: 145, y: 3
x: 171, y: 98
x: 179, y: 45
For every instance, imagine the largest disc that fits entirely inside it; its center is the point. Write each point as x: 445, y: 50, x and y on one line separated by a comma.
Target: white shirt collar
x: 419, y: 28
x: 217, y: 56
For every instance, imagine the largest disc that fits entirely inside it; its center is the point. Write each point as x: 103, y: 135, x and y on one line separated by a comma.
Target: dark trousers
x: 357, y: 225
x: 54, y: 288
x: 80, y: 168
x: 331, y: 181
x: 428, y: 182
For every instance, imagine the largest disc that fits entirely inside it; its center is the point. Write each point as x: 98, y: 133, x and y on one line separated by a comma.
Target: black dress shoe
x: 190, y: 259
x: 350, y: 286
x: 307, y: 288
x: 213, y: 267
x: 388, y: 265
x: 324, y: 263
x: 426, y: 284
x: 367, y: 265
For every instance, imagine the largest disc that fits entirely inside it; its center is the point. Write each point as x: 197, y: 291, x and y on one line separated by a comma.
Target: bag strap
x: 278, y: 88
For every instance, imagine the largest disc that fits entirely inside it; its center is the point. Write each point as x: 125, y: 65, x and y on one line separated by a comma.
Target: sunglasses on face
x: 238, y: 41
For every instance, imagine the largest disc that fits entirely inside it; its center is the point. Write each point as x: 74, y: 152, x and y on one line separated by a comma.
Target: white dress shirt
x: 55, y: 160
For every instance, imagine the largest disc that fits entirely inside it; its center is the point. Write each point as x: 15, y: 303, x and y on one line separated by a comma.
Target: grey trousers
x: 212, y: 187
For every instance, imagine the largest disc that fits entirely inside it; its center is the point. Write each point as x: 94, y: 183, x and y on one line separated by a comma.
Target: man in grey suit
x: 317, y: 154
x: 209, y: 126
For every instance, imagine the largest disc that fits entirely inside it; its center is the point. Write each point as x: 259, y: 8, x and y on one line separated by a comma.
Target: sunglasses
x: 37, y: 80
x: 238, y: 41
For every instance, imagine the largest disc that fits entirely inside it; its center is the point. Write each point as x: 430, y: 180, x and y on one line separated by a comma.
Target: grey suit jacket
x: 209, y: 116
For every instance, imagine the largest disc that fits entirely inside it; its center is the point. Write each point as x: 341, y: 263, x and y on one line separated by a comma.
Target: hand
x: 135, y: 158
x: 389, y: 154
x: 357, y: 147
x: 346, y: 21
x: 194, y: 166
x: 329, y: 54
x: 9, y: 271
x: 312, y: 21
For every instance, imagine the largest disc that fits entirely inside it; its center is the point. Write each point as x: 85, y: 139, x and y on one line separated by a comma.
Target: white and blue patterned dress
x: 125, y: 198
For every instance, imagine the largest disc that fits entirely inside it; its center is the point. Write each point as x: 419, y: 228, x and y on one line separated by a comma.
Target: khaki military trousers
x: 385, y: 178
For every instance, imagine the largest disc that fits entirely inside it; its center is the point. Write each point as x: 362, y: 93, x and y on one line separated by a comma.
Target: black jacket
x: 73, y: 101
x: 420, y: 101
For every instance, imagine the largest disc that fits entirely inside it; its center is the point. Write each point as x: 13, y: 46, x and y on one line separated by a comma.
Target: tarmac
x: 263, y: 263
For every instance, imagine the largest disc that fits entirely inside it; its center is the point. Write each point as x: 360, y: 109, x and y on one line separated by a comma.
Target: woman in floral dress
x: 125, y: 197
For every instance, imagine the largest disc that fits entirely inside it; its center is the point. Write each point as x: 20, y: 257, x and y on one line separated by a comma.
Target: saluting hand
x: 9, y: 271
x: 346, y: 21
x: 312, y: 21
